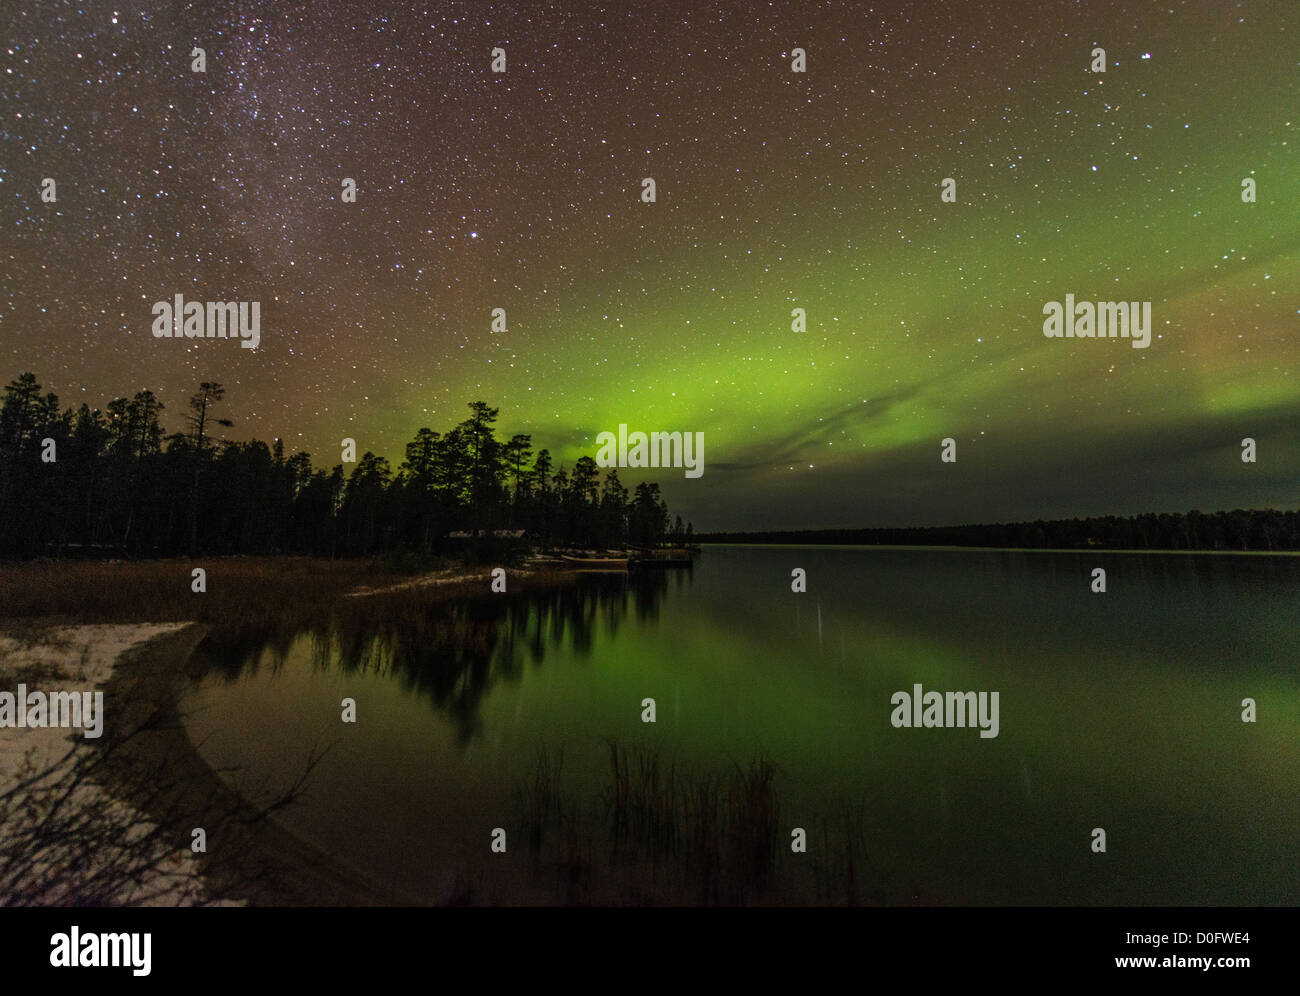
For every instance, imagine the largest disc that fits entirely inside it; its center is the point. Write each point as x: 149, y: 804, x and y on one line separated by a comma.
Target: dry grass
x: 663, y: 834
x: 160, y: 590
x: 541, y: 797
x: 250, y: 594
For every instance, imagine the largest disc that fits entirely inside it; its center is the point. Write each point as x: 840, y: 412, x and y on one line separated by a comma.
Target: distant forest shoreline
x: 1241, y: 531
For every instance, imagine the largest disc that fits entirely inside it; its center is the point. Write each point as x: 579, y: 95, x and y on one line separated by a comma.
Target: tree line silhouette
x: 113, y: 481
x: 1240, y: 529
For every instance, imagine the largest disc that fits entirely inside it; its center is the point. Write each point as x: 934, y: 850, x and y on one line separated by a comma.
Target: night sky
x: 775, y: 190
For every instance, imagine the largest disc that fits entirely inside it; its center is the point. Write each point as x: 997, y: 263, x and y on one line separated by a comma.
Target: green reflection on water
x: 1119, y: 711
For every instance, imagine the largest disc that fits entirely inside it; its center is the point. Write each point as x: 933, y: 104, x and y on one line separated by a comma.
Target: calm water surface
x: 1119, y: 710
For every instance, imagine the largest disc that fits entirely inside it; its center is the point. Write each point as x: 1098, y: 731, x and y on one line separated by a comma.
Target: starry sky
x: 775, y: 190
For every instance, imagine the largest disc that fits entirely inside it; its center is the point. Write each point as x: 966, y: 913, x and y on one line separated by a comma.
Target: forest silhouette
x: 114, y: 483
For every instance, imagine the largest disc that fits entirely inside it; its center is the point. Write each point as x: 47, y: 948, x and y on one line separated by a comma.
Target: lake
x: 1119, y: 710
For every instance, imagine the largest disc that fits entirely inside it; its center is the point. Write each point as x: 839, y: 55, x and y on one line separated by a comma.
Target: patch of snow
x: 81, y: 658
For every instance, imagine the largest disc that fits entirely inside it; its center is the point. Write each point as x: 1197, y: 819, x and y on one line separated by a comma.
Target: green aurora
x: 776, y: 190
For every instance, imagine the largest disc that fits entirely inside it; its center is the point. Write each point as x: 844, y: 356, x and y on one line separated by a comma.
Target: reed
x: 674, y: 835
x: 540, y: 796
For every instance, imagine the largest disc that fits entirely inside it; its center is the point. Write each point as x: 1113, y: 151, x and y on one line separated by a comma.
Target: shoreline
x: 261, y: 863
x: 1091, y: 551
x: 144, y: 767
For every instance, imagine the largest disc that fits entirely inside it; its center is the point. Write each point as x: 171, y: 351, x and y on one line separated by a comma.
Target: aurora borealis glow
x: 776, y: 190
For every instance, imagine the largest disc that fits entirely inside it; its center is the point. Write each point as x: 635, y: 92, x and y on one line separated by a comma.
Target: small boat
x: 595, y: 563
x: 664, y: 558
x: 543, y: 562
